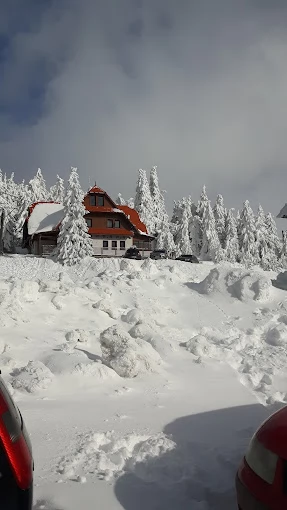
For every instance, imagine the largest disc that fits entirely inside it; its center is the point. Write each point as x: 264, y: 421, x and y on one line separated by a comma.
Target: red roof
x: 110, y: 232
x: 134, y: 217
x: 96, y: 189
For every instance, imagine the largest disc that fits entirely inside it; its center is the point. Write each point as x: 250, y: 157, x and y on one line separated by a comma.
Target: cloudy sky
x: 196, y: 87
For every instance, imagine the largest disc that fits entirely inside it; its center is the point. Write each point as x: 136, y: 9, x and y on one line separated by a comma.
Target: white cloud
x: 201, y: 92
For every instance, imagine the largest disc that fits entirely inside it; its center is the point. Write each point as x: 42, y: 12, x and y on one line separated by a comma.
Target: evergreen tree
x: 165, y: 239
x: 157, y: 198
x: 143, y: 201
x: 74, y: 243
x: 231, y: 239
x: 219, y: 212
x: 120, y: 200
x: 37, y: 187
x: 196, y: 223
x: 183, y: 244
x: 210, y: 249
x: 57, y: 192
x: 273, y: 251
x: 249, y: 254
x: 131, y: 203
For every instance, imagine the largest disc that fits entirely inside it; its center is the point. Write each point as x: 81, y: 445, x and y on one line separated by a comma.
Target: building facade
x: 113, y: 228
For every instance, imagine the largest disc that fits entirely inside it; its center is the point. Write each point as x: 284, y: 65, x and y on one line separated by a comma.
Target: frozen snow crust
x: 102, y: 356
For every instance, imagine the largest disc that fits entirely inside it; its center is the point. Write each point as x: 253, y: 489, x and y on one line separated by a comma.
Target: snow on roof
x: 45, y: 217
x: 283, y: 212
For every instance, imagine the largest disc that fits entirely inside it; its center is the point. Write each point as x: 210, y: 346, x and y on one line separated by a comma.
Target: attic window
x: 117, y: 224
x: 89, y: 222
x: 100, y: 200
x: 92, y: 199
x: 110, y: 223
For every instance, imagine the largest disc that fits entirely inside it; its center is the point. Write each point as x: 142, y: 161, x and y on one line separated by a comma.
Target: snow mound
x: 127, y: 356
x: 107, y: 455
x: 147, y: 333
x: 240, y: 284
x: 107, y: 306
x: 64, y: 362
x: 78, y: 335
x: 133, y: 316
x: 199, y: 345
x: 97, y: 370
x: 149, y: 267
x: 33, y: 377
x: 277, y: 335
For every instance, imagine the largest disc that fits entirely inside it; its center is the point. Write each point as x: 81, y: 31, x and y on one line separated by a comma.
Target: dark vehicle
x: 188, y: 258
x: 158, y: 254
x: 16, y: 460
x: 261, y: 481
x: 132, y: 253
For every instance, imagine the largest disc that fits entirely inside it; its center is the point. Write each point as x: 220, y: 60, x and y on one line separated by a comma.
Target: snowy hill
x: 141, y: 381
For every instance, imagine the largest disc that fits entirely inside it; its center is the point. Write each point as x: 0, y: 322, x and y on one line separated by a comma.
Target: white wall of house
x: 110, y: 250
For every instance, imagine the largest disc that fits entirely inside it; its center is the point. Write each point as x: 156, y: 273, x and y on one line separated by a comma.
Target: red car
x: 16, y: 460
x: 261, y: 481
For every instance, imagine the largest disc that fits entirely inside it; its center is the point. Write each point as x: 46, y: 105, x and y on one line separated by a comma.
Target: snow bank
x: 33, y: 377
x: 239, y: 283
x: 127, y: 356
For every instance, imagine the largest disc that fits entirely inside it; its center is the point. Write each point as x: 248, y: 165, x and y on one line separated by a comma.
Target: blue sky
x: 197, y: 88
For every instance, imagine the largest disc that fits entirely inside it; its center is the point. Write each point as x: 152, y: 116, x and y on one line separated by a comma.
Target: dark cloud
x: 198, y: 88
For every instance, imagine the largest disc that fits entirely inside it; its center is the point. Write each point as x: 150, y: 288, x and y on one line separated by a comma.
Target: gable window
x: 100, y: 200
x: 89, y: 222
x: 122, y: 245
x: 105, y: 245
x: 117, y: 224
x: 114, y: 244
x: 92, y: 199
x: 110, y: 223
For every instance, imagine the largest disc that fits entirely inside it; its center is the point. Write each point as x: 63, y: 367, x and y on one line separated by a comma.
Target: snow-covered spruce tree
x: 57, y: 192
x: 74, y: 243
x: 14, y: 199
x: 131, y: 203
x: 231, y: 250
x: 248, y: 247
x: 261, y: 236
x: 120, y: 200
x: 165, y: 239
x: 273, y: 244
x: 37, y: 187
x: 211, y: 249
x: 196, y: 229
x: 157, y: 198
x: 183, y: 244
x: 220, y: 213
x: 143, y: 201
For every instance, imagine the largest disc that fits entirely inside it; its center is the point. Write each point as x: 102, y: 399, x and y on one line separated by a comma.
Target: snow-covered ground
x: 141, y: 382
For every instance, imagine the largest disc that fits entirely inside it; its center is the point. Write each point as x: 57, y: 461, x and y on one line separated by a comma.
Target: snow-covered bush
x: 129, y: 357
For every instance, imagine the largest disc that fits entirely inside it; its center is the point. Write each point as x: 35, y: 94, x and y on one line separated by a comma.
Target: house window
x: 100, y: 200
x: 122, y: 245
x: 114, y: 244
x: 117, y: 224
x: 105, y: 245
x: 89, y: 222
x: 110, y: 223
x: 92, y: 199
